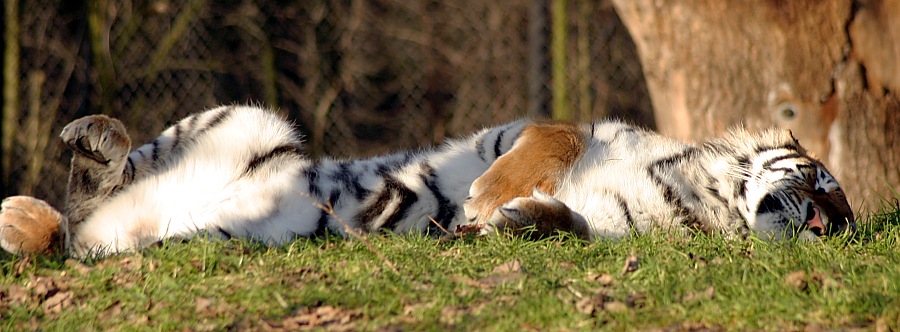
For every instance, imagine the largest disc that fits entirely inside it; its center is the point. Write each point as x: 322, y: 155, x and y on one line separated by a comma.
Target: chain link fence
x: 358, y: 77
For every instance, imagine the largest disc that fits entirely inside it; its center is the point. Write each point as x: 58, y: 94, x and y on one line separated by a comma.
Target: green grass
x: 491, y: 283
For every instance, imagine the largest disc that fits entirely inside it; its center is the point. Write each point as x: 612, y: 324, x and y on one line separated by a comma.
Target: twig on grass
x: 329, y: 209
x: 446, y: 232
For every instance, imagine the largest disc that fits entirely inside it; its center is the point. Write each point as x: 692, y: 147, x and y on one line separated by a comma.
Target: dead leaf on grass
x: 506, y: 272
x: 803, y: 281
x: 796, y: 279
x: 42, y: 287
x: 591, y: 305
x: 631, y: 264
x: 707, y: 294
x: 202, y: 304
x: 21, y: 266
x: 513, y: 266
x: 636, y: 300
x: 469, y: 282
x: 615, y: 307
x: 324, y: 317
x: 454, y: 314
x: 15, y: 294
x: 604, y: 279
x: 56, y: 303
x: 79, y: 267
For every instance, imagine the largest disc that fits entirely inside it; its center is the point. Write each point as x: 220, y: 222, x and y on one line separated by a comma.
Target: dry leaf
x: 615, y: 307
x: 631, y: 264
x: 509, y: 267
x: 708, y: 294
x: 202, y: 304
x: 603, y: 279
x: 636, y: 300
x: 78, y: 267
x: 324, y: 317
x: 505, y: 272
x: 796, y: 279
x: 21, y: 266
x: 16, y: 294
x: 56, y: 303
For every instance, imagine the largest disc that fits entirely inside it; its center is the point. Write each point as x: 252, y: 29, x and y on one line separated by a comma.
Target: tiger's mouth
x: 815, y: 223
x: 826, y: 219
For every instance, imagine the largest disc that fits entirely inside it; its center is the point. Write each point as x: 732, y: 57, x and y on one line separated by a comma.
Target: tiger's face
x: 792, y: 195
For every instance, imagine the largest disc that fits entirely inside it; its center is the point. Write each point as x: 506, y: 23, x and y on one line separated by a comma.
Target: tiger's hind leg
x: 516, y: 190
x: 100, y: 148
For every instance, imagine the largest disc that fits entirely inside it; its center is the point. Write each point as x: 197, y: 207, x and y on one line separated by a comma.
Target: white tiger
x: 238, y: 171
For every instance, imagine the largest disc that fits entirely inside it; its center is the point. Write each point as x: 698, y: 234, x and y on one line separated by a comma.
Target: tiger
x: 240, y: 172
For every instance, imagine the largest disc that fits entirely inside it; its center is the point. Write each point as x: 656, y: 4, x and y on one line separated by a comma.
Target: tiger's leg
x: 100, y: 153
x: 516, y: 190
x: 100, y: 147
x: 547, y: 214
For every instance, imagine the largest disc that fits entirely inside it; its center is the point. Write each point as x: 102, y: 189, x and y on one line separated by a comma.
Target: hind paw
x: 97, y: 137
x: 546, y: 214
x: 29, y: 225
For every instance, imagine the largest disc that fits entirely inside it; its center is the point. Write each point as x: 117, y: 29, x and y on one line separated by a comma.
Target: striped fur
x: 239, y: 172
x: 630, y: 180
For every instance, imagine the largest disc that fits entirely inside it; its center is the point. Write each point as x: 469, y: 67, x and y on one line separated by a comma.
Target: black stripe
x: 743, y: 165
x: 498, y: 142
x: 392, y: 187
x: 177, y: 139
x: 216, y: 121
x: 155, y: 154
x: 770, y: 203
x: 225, y: 233
x: 322, y: 222
x: 446, y: 209
x: 680, y: 209
x: 764, y: 148
x: 191, y: 123
x: 350, y: 181
x: 389, y: 166
x: 130, y: 165
x: 629, y: 220
x: 284, y: 150
x: 716, y: 194
x: 312, y: 177
x: 479, y: 147
x: 772, y: 161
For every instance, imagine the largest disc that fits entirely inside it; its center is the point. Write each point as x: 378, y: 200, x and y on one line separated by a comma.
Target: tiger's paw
x: 29, y: 226
x: 543, y: 212
x: 98, y: 137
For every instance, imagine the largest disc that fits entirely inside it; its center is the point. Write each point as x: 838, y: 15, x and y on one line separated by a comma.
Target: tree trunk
x: 826, y: 69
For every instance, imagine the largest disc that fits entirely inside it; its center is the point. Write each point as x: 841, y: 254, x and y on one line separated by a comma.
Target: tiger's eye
x: 787, y: 111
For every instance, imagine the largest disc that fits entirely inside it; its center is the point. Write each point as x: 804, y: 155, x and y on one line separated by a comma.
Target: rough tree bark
x: 829, y: 70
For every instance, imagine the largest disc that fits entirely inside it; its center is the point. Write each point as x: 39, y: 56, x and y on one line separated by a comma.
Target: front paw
x: 97, y: 137
x: 545, y: 214
x: 29, y: 225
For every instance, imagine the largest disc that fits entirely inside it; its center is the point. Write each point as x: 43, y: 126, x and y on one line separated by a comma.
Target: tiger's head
x: 787, y: 193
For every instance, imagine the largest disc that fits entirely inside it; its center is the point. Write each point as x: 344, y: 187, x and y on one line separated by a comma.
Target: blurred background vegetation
x: 359, y: 77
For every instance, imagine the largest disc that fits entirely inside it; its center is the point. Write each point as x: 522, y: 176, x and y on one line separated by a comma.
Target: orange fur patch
x: 30, y: 225
x: 539, y: 159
